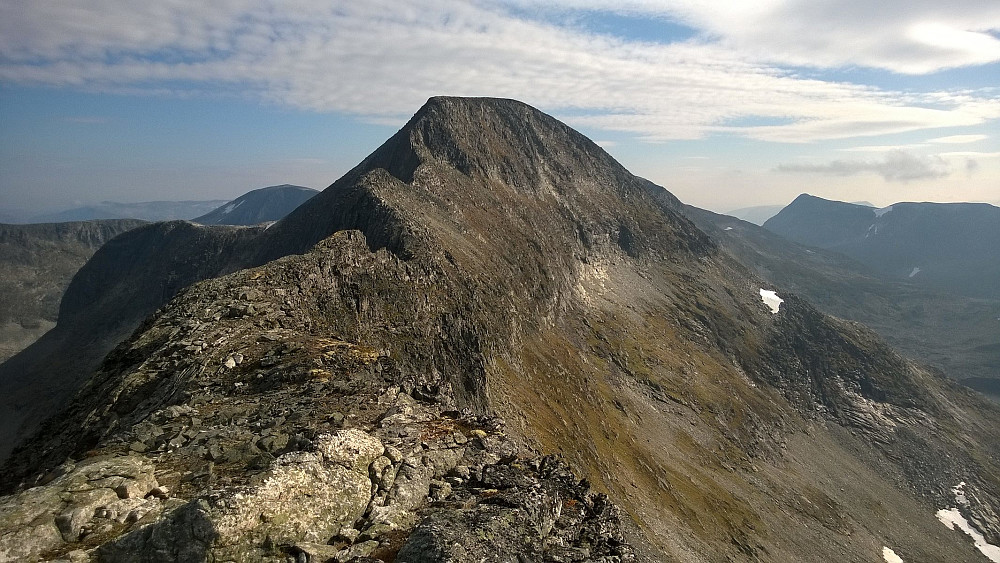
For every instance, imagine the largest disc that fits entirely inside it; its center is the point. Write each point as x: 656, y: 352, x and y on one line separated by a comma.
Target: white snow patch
x: 959, y: 493
x: 914, y: 272
x: 951, y: 517
x: 771, y: 299
x: 728, y: 229
x: 890, y: 556
x: 882, y: 211
x: 229, y: 208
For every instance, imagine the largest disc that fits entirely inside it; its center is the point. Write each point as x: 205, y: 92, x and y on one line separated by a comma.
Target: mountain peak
x: 498, y: 139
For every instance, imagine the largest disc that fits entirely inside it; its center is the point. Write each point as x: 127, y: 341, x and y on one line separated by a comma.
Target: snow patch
x: 771, y: 299
x: 951, y: 517
x: 229, y: 208
x: 882, y: 211
x: 890, y: 556
x: 914, y: 272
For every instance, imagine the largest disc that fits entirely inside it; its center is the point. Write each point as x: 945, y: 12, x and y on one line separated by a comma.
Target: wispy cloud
x: 883, y: 148
x: 959, y: 139
x: 896, y: 166
x: 903, y: 36
x: 975, y: 154
x: 381, y: 59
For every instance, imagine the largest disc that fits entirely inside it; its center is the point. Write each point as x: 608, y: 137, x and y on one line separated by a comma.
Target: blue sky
x: 727, y: 103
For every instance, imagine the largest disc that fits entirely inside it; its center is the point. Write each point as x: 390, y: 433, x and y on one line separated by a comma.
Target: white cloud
x: 972, y: 154
x: 904, y: 36
x: 959, y: 139
x: 896, y: 166
x: 883, y: 148
x: 382, y: 59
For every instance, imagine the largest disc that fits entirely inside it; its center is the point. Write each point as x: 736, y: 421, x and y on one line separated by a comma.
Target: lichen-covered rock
x: 85, y: 496
x: 352, y: 448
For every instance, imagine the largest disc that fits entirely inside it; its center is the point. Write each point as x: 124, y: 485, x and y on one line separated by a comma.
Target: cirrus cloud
x: 381, y: 59
x: 895, y: 166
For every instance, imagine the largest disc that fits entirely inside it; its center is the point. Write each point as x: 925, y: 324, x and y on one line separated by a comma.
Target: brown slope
x: 510, y: 266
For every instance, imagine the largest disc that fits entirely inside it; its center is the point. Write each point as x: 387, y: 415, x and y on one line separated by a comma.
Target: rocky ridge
x: 487, y: 288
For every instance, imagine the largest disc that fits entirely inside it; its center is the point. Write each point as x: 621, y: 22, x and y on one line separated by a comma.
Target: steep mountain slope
x: 948, y: 246
x: 146, y: 210
x: 126, y: 280
x: 37, y: 262
x: 487, y: 287
x: 258, y: 206
x: 959, y: 335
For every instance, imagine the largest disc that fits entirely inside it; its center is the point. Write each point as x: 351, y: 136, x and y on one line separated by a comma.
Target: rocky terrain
x: 952, y: 247
x: 258, y: 206
x: 491, y: 342
x: 37, y: 263
x: 958, y: 335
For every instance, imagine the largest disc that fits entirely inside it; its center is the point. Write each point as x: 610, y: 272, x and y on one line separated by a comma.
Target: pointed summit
x: 504, y: 140
x: 478, y: 163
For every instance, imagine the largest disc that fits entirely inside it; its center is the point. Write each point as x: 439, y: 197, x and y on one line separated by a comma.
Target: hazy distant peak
x: 259, y: 206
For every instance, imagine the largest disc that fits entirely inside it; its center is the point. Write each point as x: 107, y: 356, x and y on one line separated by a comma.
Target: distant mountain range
x: 947, y: 246
x: 38, y: 260
x: 757, y: 214
x: 146, y: 211
x: 958, y: 334
x: 258, y: 206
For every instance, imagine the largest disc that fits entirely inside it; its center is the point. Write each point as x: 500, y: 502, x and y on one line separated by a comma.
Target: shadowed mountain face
x: 487, y: 287
x: 946, y: 246
x: 126, y: 280
x: 957, y: 334
x: 37, y: 262
x: 258, y: 206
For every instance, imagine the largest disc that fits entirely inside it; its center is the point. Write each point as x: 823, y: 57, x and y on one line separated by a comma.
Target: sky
x: 726, y: 103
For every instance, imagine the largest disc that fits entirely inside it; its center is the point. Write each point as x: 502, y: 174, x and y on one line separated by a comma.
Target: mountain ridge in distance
x: 948, y: 246
x: 756, y: 214
x: 146, y: 211
x: 258, y: 206
x: 951, y: 332
x: 387, y: 372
